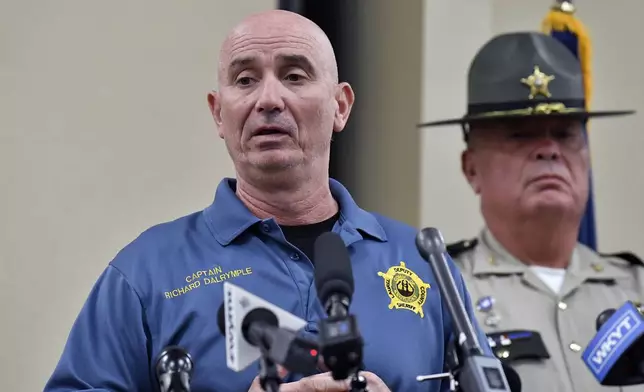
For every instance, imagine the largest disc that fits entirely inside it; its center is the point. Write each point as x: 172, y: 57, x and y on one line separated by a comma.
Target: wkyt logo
x: 614, y: 338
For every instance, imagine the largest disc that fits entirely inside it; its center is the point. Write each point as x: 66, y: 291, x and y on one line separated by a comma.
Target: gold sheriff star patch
x: 405, y: 289
x: 538, y: 83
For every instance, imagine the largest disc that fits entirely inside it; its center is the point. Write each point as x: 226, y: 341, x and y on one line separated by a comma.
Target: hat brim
x: 483, y: 118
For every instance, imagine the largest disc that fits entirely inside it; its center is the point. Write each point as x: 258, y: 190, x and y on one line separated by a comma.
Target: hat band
x: 524, y: 108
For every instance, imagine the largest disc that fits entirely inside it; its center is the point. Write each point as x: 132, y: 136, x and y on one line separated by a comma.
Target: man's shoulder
x: 159, y: 241
x: 623, y: 259
x: 394, y: 227
x: 459, y: 249
x: 400, y: 230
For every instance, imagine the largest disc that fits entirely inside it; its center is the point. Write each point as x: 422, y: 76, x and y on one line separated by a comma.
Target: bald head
x: 279, y: 101
x: 273, y: 28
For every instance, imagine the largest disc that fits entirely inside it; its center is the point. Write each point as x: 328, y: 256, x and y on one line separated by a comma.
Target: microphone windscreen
x: 221, y: 319
x: 173, y: 359
x: 603, y: 317
x: 514, y: 380
x: 333, y: 271
x: 430, y: 241
x: 260, y: 315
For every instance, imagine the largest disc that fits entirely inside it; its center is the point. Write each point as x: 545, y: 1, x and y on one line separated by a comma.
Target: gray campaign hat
x: 525, y: 74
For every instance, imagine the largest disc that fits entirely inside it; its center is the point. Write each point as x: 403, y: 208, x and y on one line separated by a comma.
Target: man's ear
x: 468, y: 166
x: 344, y: 97
x: 214, y: 103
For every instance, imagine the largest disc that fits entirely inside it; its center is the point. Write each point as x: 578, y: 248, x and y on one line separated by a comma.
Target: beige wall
x: 104, y: 131
x: 381, y: 162
x: 453, y: 31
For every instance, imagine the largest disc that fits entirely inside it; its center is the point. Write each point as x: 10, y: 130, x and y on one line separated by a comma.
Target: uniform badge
x: 538, y: 83
x: 405, y: 289
x: 486, y: 305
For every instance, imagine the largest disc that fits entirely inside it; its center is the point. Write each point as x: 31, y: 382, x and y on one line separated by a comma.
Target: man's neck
x: 294, y: 204
x: 535, y: 242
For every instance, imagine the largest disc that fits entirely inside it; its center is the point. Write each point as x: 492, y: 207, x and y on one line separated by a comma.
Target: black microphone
x: 333, y: 274
x: 603, y: 317
x: 615, y: 356
x: 260, y: 328
x: 514, y: 380
x: 340, y: 340
x: 174, y: 370
x: 477, y: 372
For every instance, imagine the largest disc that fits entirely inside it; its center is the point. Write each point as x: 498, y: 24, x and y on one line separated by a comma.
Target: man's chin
x: 275, y: 161
x: 555, y: 201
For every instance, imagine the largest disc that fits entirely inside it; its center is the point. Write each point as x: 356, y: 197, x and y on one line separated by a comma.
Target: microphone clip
x: 453, y: 384
x: 452, y: 364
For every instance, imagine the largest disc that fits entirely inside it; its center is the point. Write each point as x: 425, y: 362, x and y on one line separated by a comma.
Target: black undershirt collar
x: 303, y: 236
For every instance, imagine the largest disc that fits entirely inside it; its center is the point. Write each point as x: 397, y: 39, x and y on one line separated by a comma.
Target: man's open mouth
x: 271, y: 131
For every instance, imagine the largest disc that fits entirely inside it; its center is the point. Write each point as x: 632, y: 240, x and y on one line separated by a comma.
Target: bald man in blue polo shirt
x: 278, y: 104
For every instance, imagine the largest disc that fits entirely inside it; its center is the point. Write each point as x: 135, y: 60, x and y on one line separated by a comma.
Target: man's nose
x: 548, y: 150
x: 270, y: 96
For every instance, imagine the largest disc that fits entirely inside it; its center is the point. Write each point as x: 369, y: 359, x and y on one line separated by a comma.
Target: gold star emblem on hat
x: 538, y: 83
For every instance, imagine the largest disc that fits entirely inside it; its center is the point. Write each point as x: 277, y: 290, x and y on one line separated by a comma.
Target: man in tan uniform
x: 537, y: 291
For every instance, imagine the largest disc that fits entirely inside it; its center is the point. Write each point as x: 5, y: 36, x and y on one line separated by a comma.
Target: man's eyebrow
x: 293, y: 60
x: 297, y: 60
x: 239, y: 62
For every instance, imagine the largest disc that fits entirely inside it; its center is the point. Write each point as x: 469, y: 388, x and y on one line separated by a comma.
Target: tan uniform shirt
x: 520, y: 300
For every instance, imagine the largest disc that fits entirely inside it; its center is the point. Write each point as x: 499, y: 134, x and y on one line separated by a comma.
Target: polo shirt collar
x: 227, y: 217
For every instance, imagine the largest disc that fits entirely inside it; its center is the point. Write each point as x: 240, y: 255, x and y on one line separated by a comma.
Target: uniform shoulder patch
x: 457, y: 248
x: 631, y: 257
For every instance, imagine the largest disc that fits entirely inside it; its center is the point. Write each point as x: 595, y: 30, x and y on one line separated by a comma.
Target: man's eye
x: 294, y: 77
x: 519, y: 135
x: 244, y: 81
x: 566, y: 134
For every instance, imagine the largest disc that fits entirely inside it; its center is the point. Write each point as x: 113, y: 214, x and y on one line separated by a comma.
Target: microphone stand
x: 358, y: 383
x: 173, y: 370
x: 476, y: 371
x: 453, y: 384
x: 269, y: 378
x: 452, y: 364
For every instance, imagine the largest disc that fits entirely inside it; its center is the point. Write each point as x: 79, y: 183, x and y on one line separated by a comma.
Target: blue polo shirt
x: 165, y: 287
